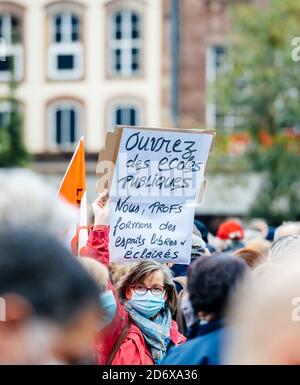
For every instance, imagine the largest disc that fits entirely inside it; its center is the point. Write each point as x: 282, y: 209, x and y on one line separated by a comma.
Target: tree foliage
x: 261, y: 84
x: 12, y: 150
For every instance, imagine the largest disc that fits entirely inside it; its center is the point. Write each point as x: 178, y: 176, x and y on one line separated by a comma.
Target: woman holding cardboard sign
x: 142, y: 329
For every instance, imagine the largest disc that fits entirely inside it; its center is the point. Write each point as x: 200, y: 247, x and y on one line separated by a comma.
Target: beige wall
x: 95, y: 90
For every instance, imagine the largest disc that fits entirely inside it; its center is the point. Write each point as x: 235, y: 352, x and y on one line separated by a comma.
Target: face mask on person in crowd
x: 147, y: 304
x: 109, y: 306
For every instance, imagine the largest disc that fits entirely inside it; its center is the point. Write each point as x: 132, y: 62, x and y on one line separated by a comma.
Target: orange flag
x: 73, y: 190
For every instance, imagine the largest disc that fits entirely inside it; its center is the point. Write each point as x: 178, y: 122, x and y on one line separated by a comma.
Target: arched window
x: 124, y: 113
x: 65, y: 50
x: 11, y: 40
x: 65, y: 124
x: 125, y: 43
x: 65, y: 28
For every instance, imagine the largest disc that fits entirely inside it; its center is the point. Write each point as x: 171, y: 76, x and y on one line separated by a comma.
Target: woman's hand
x: 101, y: 209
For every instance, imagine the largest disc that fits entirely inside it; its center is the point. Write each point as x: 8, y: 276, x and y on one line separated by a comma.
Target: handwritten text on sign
x: 156, y: 183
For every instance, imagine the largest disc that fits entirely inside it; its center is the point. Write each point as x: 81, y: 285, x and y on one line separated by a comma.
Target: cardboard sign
x: 154, y: 178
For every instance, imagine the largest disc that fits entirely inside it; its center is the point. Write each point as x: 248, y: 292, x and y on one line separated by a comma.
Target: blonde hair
x: 261, y: 245
x: 252, y: 257
x: 117, y: 271
x: 96, y: 270
x: 139, y: 272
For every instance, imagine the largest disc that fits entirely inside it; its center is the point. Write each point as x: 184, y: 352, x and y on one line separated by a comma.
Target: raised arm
x: 98, y: 243
x: 97, y: 247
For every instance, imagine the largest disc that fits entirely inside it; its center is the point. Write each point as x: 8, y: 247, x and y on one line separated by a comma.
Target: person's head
x: 261, y: 226
x: 180, y: 270
x: 231, y: 230
x: 265, y: 270
x: 47, y: 293
x: 267, y: 315
x: 100, y: 275
x: 211, y: 282
x: 262, y: 246
x: 27, y: 200
x: 198, y: 244
x: 286, y: 230
x: 117, y: 271
x: 286, y: 250
x: 96, y: 270
x: 251, y: 257
x: 148, y: 283
x: 198, y: 250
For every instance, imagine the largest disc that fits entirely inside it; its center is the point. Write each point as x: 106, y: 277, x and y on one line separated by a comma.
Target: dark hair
x: 211, y: 280
x: 37, y: 267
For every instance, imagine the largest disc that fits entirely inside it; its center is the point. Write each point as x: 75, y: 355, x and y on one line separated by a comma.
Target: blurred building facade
x: 194, y: 45
x: 82, y: 67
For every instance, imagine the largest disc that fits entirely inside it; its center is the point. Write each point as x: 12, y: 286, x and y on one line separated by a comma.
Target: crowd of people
x: 237, y: 302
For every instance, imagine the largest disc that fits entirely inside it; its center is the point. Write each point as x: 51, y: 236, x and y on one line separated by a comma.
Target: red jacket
x: 133, y: 350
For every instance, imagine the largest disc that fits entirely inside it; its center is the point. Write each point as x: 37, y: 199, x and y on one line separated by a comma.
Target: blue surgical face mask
x: 147, y: 304
x: 109, y: 306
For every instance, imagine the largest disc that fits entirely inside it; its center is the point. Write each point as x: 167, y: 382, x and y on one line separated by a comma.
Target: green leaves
x: 12, y: 149
x: 262, y: 82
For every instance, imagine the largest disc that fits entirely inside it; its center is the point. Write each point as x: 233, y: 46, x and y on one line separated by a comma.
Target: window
x: 215, y: 68
x: 5, y: 113
x: 65, y: 125
x: 11, y: 63
x: 228, y: 122
x: 125, y: 43
x: 124, y: 114
x: 215, y: 62
x: 65, y: 61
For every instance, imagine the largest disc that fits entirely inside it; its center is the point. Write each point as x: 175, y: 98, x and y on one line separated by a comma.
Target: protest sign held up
x: 157, y: 178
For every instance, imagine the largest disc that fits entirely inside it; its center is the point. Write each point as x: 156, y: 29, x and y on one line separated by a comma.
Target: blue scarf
x: 156, y: 332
